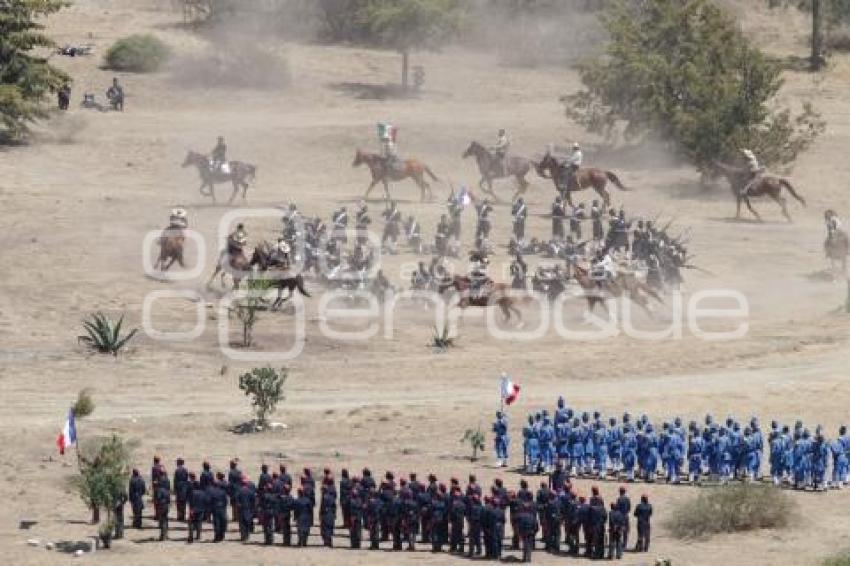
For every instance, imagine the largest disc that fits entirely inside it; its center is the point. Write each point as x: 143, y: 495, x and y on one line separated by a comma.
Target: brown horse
x: 499, y: 295
x: 836, y: 247
x: 587, y: 177
x: 597, y: 292
x: 238, y: 265
x: 170, y: 248
x: 281, y: 278
x: 490, y: 169
x: 239, y: 175
x: 411, y: 168
x: 768, y: 185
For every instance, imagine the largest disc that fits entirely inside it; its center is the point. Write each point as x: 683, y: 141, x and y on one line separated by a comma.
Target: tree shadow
x: 72, y: 546
x: 371, y: 91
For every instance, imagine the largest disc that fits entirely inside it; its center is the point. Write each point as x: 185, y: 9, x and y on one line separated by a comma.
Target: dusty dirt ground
x: 78, y: 202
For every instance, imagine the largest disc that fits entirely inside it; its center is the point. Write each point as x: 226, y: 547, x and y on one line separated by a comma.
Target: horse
x: 490, y: 168
x: 239, y: 175
x: 499, y: 295
x: 836, y: 247
x: 597, y: 292
x: 262, y: 259
x: 239, y: 266
x: 768, y: 185
x: 411, y: 168
x: 170, y: 248
x: 587, y: 177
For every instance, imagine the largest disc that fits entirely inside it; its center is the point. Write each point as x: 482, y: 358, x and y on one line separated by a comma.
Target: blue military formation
x: 465, y: 521
x: 585, y: 444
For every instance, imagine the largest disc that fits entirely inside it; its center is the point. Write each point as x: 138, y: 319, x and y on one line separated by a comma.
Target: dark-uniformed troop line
x: 401, y: 513
x: 588, y: 445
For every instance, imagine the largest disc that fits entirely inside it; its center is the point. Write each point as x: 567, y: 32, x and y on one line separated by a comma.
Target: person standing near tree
x: 136, y: 492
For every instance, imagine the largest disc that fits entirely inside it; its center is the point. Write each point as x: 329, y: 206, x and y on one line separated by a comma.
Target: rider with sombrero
x: 179, y: 219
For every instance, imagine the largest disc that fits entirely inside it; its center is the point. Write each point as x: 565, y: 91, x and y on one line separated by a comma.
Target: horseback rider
x: 218, y: 156
x: 280, y: 255
x: 389, y: 152
x: 755, y: 170
x: 604, y: 268
x: 236, y: 242
x: 479, y: 281
x: 574, y: 162
x: 500, y: 151
x: 179, y: 219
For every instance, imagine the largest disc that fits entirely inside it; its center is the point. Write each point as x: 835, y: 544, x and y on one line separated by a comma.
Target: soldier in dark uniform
x: 553, y: 523
x: 455, y: 210
x: 136, y: 492
x: 482, y: 230
x: 246, y: 501
x: 206, y: 478
x: 596, y: 218
x: 643, y: 513
x: 558, y: 215
x: 519, y: 271
x: 616, y: 529
x: 162, y: 502
x: 425, y: 505
x: 361, y: 224
x: 442, y: 236
x: 355, y: 518
x: 303, y: 516
x: 181, y: 488
x: 156, y: 471
x: 577, y: 215
x: 286, y: 507
x: 393, y: 223
x: 624, y: 506
x: 345, y: 489
x: 498, y: 528
x: 199, y: 506
x: 439, y: 521
x: 234, y: 480
x: 583, y: 519
x: 572, y: 522
x: 118, y: 514
x: 457, y: 516
x: 599, y: 518
x: 218, y: 502
x: 374, y: 509
x: 519, y: 212
x: 269, y: 506
x: 474, y: 516
x: 527, y: 526
x: 409, y: 517
x: 387, y: 493
x: 327, y: 514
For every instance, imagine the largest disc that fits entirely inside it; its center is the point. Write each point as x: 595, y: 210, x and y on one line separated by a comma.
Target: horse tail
x: 431, y: 173
x: 787, y: 184
x: 616, y: 180
x: 299, y: 284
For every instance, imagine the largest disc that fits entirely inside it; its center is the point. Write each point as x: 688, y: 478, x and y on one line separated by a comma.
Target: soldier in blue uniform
x: 162, y: 502
x: 531, y: 439
x: 327, y: 514
x: 246, y: 500
x: 199, y: 503
x: 136, y: 492
x: 643, y: 514
x: 303, y: 509
x: 501, y: 440
x: 217, y: 493
x: 547, y: 443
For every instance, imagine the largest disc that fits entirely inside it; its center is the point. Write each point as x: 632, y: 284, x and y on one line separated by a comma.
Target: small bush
x: 840, y: 559
x: 265, y: 387
x: 475, y: 439
x: 137, y: 54
x: 104, y: 336
x: 84, y: 405
x: 730, y: 509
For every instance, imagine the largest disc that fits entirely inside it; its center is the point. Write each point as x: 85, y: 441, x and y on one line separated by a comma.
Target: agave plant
x: 104, y: 336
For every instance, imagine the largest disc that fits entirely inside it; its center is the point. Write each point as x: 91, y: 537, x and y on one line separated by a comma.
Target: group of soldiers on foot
x: 588, y: 445
x: 405, y: 512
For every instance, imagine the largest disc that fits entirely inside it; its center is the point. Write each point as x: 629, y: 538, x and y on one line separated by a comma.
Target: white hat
x: 749, y: 154
x: 240, y: 237
x: 283, y: 246
x: 179, y: 212
x: 576, y: 145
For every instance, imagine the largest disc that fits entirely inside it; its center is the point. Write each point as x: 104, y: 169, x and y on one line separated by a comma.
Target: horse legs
x: 750, y: 207
x: 606, y: 198
x: 244, y: 191
x: 386, y: 191
x: 216, y: 272
x: 781, y: 202
x: 235, y: 192
x: 738, y: 201
x: 371, y: 186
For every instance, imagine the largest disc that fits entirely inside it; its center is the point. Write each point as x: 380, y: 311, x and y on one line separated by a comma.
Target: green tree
x: 407, y: 25
x: 684, y: 72
x: 25, y: 78
x: 102, y: 481
x: 249, y: 304
x: 265, y: 387
x: 475, y: 439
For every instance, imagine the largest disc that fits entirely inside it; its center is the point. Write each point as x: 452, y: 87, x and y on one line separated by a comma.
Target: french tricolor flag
x: 509, y: 390
x: 68, y: 436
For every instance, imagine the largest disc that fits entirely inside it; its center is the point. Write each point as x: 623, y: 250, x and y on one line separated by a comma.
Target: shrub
x: 249, y: 304
x: 840, y: 559
x: 84, y: 405
x: 265, y: 387
x: 730, y: 509
x: 136, y: 54
x: 475, y: 439
x: 104, y: 336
